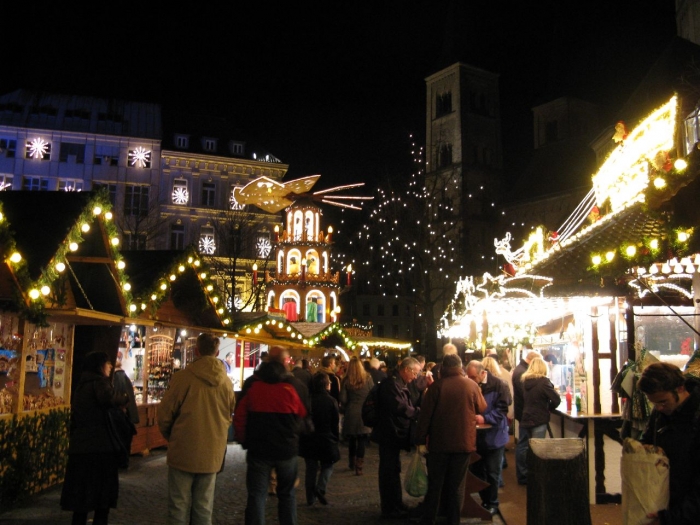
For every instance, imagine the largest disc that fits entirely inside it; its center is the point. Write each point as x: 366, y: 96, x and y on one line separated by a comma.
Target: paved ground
x: 143, y: 495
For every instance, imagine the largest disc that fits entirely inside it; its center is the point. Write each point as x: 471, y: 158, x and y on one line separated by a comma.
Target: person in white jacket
x: 194, y: 416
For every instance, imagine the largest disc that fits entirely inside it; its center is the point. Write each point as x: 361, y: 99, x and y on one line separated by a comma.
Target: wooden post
x: 615, y: 406
x: 557, y: 482
x: 595, y: 350
x: 629, y: 314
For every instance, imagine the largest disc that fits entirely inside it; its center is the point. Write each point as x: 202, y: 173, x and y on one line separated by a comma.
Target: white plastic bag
x: 645, y: 477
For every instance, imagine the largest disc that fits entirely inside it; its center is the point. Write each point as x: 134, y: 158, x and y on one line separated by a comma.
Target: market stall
x: 176, y: 299
x: 620, y: 271
x: 59, y: 279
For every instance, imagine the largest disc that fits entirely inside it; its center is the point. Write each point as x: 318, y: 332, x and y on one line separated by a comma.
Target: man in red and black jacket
x: 268, y: 421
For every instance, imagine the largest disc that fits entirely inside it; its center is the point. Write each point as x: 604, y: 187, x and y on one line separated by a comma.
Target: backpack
x: 370, y: 407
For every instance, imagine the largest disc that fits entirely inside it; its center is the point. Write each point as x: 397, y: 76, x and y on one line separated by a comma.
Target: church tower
x: 464, y: 152
x: 304, y: 287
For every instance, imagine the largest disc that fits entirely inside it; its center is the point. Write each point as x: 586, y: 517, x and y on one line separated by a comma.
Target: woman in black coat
x: 320, y: 448
x: 92, y: 481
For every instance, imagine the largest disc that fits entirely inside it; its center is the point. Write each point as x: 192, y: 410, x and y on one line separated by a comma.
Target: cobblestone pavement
x: 143, y: 496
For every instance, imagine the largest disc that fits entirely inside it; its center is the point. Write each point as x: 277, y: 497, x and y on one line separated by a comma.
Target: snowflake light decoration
x: 264, y: 247
x: 140, y: 157
x: 180, y: 195
x: 37, y: 148
x: 235, y: 205
x: 207, y: 244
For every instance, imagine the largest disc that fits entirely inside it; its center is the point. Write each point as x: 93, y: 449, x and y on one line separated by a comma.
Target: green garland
x: 33, y: 454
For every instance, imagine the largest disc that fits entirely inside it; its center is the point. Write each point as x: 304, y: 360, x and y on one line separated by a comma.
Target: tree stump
x: 557, y: 483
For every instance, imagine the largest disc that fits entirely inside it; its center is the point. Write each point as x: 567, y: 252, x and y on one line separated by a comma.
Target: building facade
x: 169, y: 177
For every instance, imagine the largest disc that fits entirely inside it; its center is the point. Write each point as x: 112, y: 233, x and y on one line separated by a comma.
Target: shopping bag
x: 415, y: 481
x: 645, y: 478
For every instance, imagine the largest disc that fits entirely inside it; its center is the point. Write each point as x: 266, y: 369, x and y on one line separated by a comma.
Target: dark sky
x: 335, y: 88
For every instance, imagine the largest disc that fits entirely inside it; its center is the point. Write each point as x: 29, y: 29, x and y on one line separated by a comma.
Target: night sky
x: 336, y: 88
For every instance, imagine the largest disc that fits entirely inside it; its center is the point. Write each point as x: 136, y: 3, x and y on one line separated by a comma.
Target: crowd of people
x: 447, y: 410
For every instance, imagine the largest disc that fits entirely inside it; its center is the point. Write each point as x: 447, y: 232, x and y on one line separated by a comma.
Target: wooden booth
x: 60, y: 297
x: 175, y: 299
x: 616, y: 283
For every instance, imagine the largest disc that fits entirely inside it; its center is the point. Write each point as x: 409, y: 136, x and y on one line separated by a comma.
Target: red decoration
x: 509, y: 269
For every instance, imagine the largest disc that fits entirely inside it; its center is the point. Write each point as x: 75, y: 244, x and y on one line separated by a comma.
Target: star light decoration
x: 140, y: 157
x: 273, y: 196
x: 38, y: 148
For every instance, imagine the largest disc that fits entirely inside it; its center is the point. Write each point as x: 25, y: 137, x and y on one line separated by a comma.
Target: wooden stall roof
x: 569, y: 265
x: 186, y: 304
x: 39, y: 224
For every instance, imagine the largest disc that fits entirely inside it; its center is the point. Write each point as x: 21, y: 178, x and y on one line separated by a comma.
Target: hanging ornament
x: 620, y: 132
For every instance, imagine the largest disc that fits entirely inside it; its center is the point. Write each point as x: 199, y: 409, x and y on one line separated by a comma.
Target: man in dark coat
x: 491, y: 443
x: 302, y: 372
x: 377, y: 375
x: 518, y: 404
x: 674, y: 425
x: 393, y: 435
x: 447, y: 423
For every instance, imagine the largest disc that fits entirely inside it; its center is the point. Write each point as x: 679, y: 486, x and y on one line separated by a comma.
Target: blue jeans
x: 190, y: 493
x: 489, y: 468
x: 447, y: 474
x: 314, y: 484
x: 257, y: 479
x: 524, y: 435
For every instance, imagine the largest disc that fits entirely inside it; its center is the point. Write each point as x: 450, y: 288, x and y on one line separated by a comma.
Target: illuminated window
x: 208, y: 194
x: 180, y: 194
x: 207, y: 243
x: 8, y: 147
x: 5, y: 182
x: 136, y: 201
x: 70, y: 185
x: 140, y: 158
x: 177, y: 236
x: 38, y: 149
x: 35, y: 184
x: 233, y: 202
x: 263, y: 247
x: 71, y: 152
